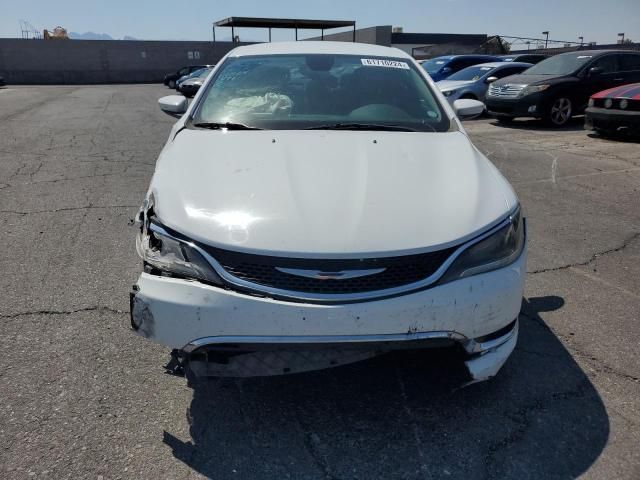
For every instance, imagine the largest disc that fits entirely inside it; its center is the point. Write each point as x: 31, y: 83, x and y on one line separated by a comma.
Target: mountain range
x: 96, y: 36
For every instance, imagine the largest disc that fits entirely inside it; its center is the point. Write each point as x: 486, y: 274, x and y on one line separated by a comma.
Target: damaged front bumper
x: 227, y: 333
x: 265, y: 356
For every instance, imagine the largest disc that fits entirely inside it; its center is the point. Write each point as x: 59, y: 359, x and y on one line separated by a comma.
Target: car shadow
x: 574, y: 125
x: 618, y: 138
x: 402, y: 415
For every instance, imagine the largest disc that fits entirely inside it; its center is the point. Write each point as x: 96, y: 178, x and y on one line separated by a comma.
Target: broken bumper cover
x: 262, y: 336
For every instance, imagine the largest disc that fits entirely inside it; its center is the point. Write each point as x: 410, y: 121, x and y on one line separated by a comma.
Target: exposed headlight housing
x: 608, y: 103
x: 529, y: 89
x: 624, y: 103
x: 170, y: 255
x: 494, y: 251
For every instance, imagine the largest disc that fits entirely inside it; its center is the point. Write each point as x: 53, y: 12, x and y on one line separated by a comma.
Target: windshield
x: 290, y: 92
x: 197, y: 73
x: 471, y: 73
x: 434, y: 65
x: 559, y: 65
x: 204, y: 72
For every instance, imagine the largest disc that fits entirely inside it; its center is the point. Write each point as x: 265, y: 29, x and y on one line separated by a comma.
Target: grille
x: 262, y: 270
x: 505, y: 91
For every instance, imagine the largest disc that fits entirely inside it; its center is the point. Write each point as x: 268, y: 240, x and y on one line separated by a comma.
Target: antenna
x: 29, y: 31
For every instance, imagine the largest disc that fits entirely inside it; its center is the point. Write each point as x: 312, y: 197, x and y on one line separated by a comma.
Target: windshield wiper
x: 227, y: 125
x: 361, y: 126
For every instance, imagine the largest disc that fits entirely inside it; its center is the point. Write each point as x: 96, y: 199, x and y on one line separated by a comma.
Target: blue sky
x: 596, y: 20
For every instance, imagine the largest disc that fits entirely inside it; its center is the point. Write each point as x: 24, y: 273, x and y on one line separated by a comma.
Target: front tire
x: 559, y: 112
x: 172, y: 84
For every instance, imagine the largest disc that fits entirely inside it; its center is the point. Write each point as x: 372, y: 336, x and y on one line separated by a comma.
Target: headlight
x: 171, y: 255
x: 495, y: 251
x: 608, y: 103
x: 529, y: 89
x: 448, y: 93
x: 591, y: 102
x: 624, y: 103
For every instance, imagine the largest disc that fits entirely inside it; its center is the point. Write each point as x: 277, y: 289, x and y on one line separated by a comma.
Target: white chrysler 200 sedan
x: 319, y: 203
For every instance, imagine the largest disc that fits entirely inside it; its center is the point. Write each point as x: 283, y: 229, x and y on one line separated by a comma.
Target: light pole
x: 581, y: 41
x: 621, y: 35
x: 528, y: 44
x: 546, y: 42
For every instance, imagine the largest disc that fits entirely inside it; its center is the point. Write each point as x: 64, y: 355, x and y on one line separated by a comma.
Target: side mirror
x: 468, y: 108
x: 595, y: 71
x: 491, y: 79
x: 174, y: 105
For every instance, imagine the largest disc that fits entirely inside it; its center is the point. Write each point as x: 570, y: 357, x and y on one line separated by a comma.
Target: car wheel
x: 172, y: 84
x: 559, y: 112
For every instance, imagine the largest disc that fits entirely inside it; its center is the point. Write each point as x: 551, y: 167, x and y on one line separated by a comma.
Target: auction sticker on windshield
x: 374, y: 62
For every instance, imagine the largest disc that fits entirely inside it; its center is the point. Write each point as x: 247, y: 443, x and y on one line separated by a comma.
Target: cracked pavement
x: 83, y: 397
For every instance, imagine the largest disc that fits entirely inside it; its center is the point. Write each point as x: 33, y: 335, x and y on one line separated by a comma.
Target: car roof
x: 516, y: 55
x: 470, y: 55
x: 595, y: 53
x: 503, y: 64
x: 310, y: 47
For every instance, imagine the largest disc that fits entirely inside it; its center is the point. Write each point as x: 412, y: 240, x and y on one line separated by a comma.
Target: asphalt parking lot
x: 82, y: 397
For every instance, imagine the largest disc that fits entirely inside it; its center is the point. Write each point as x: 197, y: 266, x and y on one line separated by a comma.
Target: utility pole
x: 621, y: 35
x: 581, y: 41
x: 546, y: 42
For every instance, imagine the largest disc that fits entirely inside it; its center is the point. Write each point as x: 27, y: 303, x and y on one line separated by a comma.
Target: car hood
x: 193, y: 81
x: 445, y: 85
x: 327, y: 193
x: 526, y: 79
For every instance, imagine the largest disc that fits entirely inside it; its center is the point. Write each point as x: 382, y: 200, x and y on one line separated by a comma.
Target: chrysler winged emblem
x: 324, y: 275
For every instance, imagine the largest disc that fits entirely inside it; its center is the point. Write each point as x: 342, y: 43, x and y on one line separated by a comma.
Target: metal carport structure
x: 289, y: 23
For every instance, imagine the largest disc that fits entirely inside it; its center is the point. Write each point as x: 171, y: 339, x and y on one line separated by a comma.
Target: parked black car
x: 524, y: 57
x: 2, y: 84
x: 192, y: 84
x: 170, y: 78
x: 560, y: 86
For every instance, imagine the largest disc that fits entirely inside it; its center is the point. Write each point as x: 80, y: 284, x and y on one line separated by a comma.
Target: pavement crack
x: 523, y: 421
x: 593, y: 258
x: 96, y: 308
x: 312, y: 445
x: 68, y: 209
x: 570, y: 346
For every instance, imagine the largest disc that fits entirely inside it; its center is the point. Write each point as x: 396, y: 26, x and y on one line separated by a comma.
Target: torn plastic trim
x: 486, y: 364
x: 279, y: 355
x: 480, y: 345
x: 305, y: 340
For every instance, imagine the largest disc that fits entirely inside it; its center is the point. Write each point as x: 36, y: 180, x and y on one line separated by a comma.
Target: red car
x: 616, y: 110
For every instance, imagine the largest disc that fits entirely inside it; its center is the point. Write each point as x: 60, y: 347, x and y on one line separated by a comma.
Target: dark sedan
x: 559, y: 87
x: 171, y: 78
x: 616, y: 110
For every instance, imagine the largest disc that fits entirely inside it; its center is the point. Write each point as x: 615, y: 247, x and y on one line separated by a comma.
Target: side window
x: 629, y: 62
x: 455, y: 65
x: 467, y: 62
x: 183, y: 71
x: 608, y: 64
x: 505, y: 72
